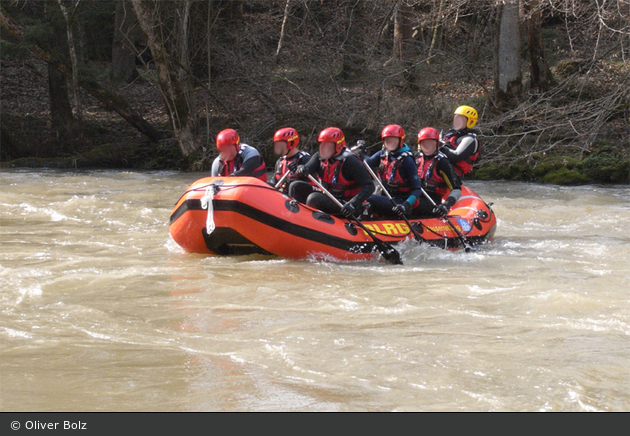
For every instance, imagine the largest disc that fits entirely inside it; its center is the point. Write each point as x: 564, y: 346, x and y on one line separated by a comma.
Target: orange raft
x: 244, y: 215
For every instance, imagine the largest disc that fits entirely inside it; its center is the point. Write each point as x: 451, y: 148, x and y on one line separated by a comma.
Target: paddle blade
x: 388, y: 252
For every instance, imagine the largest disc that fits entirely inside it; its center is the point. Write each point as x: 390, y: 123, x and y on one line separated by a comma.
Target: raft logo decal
x: 388, y: 228
x: 464, y: 225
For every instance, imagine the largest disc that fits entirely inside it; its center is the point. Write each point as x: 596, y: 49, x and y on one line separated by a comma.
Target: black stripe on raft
x: 277, y: 223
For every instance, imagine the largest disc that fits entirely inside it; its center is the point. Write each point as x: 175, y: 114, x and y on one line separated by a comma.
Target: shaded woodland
x: 149, y: 84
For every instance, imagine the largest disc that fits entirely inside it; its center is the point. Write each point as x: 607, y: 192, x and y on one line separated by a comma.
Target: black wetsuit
x: 352, y: 170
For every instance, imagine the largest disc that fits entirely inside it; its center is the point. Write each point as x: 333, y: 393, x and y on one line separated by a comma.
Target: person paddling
x: 461, y: 144
x: 340, y: 171
x: 285, y: 145
x: 437, y: 175
x: 398, y: 174
x: 236, y: 158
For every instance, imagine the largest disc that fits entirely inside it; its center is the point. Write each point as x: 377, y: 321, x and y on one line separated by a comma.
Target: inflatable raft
x: 244, y: 215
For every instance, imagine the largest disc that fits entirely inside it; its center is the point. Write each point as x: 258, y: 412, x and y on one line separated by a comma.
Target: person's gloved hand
x: 441, y: 210
x: 292, y: 166
x: 361, y: 149
x: 348, y: 210
x: 403, y: 209
x: 302, y: 171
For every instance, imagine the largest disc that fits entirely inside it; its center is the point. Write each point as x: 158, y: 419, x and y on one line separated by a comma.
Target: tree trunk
x: 232, y: 11
x: 541, y: 77
x: 123, y: 54
x: 109, y: 99
x: 8, y: 149
x: 61, y: 119
x: 402, y: 42
x: 284, y: 23
x: 69, y: 18
x: 184, y: 61
x: 177, y: 97
x: 509, y: 54
x: 436, y: 29
x: 352, y: 52
x: 402, y: 30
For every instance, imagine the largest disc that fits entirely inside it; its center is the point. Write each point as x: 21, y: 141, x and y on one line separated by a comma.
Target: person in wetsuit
x: 237, y: 159
x: 285, y: 145
x: 461, y: 143
x: 397, y: 172
x: 339, y: 171
x: 437, y: 176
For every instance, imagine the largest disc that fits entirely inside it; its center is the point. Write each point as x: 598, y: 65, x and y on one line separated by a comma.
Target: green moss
x: 568, y: 67
x: 607, y: 165
x: 548, y: 165
x: 565, y: 176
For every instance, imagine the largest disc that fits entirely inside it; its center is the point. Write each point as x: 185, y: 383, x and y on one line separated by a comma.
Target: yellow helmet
x: 470, y: 113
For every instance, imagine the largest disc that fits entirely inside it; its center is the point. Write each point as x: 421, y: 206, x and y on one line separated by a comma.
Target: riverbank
x: 606, y: 164
x: 104, y: 140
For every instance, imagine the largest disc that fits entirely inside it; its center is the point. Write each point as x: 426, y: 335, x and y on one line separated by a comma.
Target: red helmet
x: 288, y: 134
x: 393, y: 130
x: 428, y: 133
x: 228, y: 137
x: 335, y: 135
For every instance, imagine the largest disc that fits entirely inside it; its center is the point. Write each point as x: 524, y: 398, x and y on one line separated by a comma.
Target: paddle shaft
x: 282, y: 179
x: 386, y: 249
x: 462, y: 238
x: 375, y: 177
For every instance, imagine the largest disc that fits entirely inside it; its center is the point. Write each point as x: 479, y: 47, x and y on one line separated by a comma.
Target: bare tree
x: 108, y: 98
x: 541, y: 77
x: 176, y: 92
x: 284, y: 22
x: 353, y: 59
x: 61, y: 118
x: 123, y: 55
x: 509, y: 75
x: 439, y: 17
x: 402, y: 30
x: 69, y: 18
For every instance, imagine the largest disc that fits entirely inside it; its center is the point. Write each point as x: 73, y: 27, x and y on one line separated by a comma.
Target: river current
x: 100, y: 310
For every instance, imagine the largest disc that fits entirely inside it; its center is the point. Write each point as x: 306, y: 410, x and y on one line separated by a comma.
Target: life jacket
x: 229, y: 167
x: 431, y: 181
x: 464, y: 166
x: 389, y: 173
x: 333, y: 180
x: 283, y: 162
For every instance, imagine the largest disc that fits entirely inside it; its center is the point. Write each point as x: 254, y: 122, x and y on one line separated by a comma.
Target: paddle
x: 388, y: 252
x: 467, y: 245
x: 282, y: 179
x: 402, y: 215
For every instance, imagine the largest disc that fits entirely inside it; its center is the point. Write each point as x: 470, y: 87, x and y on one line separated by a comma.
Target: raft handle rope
x: 206, y: 203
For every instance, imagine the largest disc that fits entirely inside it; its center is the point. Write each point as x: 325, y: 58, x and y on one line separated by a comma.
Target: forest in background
x: 148, y: 84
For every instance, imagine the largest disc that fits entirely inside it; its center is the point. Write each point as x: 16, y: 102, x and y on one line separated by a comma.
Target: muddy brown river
x: 100, y: 310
